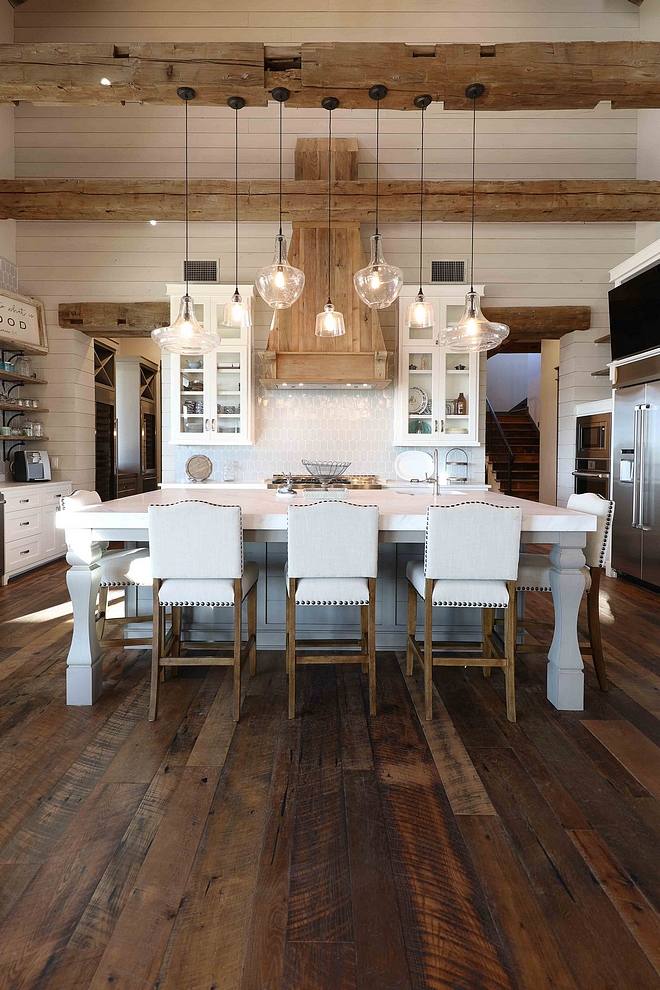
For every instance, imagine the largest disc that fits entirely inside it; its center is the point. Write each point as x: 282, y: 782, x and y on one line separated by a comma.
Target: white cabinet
x: 212, y: 401
x: 437, y: 395
x: 31, y: 534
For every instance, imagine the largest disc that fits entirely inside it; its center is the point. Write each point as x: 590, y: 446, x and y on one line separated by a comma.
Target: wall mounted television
x: 635, y: 314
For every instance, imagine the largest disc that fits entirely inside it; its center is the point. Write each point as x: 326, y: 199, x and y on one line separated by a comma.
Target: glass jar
x: 37, y: 428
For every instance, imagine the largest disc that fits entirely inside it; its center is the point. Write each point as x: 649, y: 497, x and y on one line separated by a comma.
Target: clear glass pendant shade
x: 186, y: 335
x: 237, y: 312
x: 473, y: 332
x: 280, y: 284
x: 379, y: 284
x: 420, y: 314
x: 330, y: 323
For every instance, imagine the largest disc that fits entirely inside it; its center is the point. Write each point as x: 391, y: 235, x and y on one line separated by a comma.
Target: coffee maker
x: 30, y: 465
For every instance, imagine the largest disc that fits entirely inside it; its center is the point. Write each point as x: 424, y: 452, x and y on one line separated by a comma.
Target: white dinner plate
x: 418, y: 400
x: 413, y: 465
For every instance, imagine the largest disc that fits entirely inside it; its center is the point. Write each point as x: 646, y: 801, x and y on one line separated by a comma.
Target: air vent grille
x: 200, y: 271
x: 448, y: 271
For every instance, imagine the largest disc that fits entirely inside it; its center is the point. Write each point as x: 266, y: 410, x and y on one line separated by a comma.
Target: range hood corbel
x: 294, y: 357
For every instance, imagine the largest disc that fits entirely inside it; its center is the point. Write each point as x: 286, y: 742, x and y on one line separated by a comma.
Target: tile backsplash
x: 330, y: 425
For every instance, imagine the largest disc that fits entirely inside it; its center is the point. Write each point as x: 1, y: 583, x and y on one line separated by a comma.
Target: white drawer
x: 22, y: 554
x: 52, y: 496
x: 21, y: 524
x: 22, y: 500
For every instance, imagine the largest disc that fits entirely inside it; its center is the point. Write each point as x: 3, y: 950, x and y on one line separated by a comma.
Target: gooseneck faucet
x: 435, y: 478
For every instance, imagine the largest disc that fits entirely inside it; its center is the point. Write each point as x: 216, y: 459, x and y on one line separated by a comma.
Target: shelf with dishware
x: 15, y: 372
x: 437, y: 398
x: 212, y: 393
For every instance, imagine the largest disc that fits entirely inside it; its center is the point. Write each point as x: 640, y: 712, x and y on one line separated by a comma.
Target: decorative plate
x: 418, y: 400
x: 198, y: 467
x: 413, y: 465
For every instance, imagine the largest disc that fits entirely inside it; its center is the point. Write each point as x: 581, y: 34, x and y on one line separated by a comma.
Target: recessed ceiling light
x: 153, y: 222
x: 105, y: 81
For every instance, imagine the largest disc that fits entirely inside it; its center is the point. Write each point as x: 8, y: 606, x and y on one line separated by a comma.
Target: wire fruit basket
x: 326, y: 471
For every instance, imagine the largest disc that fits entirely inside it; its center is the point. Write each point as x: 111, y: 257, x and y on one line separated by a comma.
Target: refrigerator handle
x: 635, y: 492
x: 642, y: 458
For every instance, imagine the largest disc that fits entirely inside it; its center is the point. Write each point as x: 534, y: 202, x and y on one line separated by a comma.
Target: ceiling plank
x: 548, y: 200
x: 536, y: 75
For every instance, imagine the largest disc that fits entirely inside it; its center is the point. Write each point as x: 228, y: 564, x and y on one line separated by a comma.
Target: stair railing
x: 492, y: 422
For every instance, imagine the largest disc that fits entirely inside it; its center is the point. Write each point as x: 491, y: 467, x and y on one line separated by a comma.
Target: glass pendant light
x: 379, y: 284
x: 186, y: 335
x: 473, y: 332
x: 419, y: 313
x: 238, y: 311
x: 329, y: 323
x: 280, y: 284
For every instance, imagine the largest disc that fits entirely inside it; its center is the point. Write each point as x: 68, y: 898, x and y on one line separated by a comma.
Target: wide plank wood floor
x: 337, y: 851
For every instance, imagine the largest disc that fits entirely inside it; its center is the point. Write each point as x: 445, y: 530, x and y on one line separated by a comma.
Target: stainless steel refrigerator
x: 636, y: 470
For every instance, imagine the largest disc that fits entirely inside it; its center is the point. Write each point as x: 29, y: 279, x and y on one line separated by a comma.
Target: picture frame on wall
x: 22, y: 323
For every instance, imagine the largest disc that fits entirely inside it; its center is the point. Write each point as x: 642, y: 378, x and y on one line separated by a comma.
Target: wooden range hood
x: 294, y: 356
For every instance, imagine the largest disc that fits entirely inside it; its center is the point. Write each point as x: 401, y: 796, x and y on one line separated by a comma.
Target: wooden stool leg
x: 372, y: 645
x: 428, y: 649
x: 176, y: 637
x: 238, y: 636
x: 487, y: 624
x: 364, y: 637
x: 411, y: 628
x: 155, y: 656
x: 291, y: 644
x: 103, y: 609
x: 593, y: 618
x: 510, y: 626
x: 252, y: 626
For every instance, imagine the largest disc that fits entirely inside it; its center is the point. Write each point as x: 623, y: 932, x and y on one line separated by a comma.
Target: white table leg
x: 84, y: 674
x: 565, y: 667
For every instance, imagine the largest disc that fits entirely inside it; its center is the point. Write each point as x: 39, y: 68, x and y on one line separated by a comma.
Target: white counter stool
x: 197, y: 560
x: 119, y: 569
x: 534, y: 575
x: 470, y: 561
x: 332, y: 560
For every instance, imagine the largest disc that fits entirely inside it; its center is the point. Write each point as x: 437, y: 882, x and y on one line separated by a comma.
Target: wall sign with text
x: 22, y: 323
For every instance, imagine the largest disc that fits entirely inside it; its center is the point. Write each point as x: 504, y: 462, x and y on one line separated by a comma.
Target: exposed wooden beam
x: 528, y: 324
x: 552, y: 200
x: 538, y: 75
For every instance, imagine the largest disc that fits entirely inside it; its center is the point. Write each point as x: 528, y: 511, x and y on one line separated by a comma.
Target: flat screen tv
x: 635, y: 314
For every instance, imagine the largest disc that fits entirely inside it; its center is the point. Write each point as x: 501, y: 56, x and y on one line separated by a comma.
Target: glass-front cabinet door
x: 211, y: 394
x: 437, y: 397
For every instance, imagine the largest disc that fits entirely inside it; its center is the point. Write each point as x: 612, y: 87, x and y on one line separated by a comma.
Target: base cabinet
x: 31, y: 534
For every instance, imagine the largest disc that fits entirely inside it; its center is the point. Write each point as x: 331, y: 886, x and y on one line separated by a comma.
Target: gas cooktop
x: 355, y: 481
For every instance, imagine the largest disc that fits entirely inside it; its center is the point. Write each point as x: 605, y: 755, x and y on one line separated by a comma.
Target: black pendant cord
x: 236, y: 192
x: 474, y: 157
x: 187, y: 221
x: 421, y: 202
x: 329, y: 200
x: 377, y: 160
x: 280, y: 242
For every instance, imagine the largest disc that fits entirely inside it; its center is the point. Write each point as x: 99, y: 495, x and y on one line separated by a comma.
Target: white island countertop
x: 264, y: 510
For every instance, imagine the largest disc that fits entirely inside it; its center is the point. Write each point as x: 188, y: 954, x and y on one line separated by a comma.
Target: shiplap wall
x: 520, y: 263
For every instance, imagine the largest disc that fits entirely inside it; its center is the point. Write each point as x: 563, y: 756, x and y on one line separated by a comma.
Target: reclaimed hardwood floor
x: 337, y: 851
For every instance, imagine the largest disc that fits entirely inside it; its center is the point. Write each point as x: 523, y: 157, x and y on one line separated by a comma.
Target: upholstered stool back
x: 603, y: 509
x: 472, y: 541
x: 332, y: 539
x: 196, y: 540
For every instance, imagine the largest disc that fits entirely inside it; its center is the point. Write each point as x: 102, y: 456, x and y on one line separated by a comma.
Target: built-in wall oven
x: 592, y: 455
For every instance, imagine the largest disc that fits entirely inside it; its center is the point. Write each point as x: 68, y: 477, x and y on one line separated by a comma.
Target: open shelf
x: 9, y: 376
x: 23, y: 410
x: 22, y: 436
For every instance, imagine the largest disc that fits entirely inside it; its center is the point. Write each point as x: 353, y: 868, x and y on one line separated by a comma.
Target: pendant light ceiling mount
x: 420, y: 314
x: 473, y: 332
x: 280, y: 284
x: 379, y: 284
x: 236, y: 102
x: 329, y: 323
x: 186, y: 335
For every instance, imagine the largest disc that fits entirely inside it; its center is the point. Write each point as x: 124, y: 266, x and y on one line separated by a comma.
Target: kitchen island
x: 402, y: 524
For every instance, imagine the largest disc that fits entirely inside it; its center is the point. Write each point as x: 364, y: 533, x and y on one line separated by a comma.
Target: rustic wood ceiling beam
x: 536, y: 75
x: 548, y: 200
x: 528, y: 324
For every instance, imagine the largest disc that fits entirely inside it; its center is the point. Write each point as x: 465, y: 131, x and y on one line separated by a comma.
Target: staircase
x: 512, y: 440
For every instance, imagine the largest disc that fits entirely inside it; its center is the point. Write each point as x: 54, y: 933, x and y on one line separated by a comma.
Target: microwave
x: 593, y: 437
